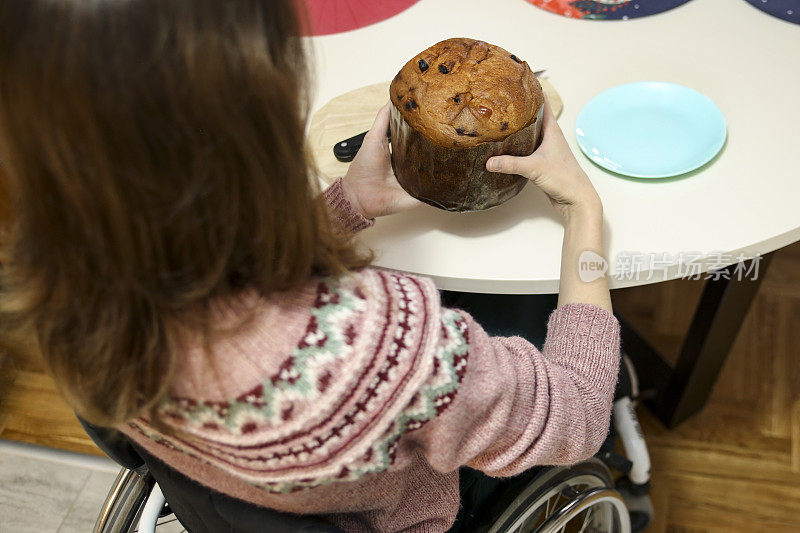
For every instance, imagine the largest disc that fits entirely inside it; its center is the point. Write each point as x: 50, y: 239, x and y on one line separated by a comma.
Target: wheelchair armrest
x: 113, y: 444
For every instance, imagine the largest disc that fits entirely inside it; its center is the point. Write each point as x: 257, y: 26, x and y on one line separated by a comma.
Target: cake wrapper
x: 456, y: 179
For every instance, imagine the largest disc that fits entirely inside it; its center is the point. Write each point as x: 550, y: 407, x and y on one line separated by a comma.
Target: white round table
x: 746, y: 200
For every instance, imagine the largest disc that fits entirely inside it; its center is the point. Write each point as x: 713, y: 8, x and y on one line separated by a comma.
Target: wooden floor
x: 734, y: 467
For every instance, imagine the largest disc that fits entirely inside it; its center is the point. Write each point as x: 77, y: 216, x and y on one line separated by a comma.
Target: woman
x: 187, y: 283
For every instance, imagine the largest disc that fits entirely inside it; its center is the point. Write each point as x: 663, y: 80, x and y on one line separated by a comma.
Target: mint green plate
x: 650, y: 129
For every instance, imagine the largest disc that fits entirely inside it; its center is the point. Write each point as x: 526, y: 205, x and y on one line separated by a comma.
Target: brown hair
x: 155, y: 153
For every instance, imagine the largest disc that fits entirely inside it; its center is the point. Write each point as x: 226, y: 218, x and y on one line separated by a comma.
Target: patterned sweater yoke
x: 358, y: 398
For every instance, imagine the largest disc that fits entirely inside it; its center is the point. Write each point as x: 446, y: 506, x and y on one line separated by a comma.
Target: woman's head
x: 155, y: 154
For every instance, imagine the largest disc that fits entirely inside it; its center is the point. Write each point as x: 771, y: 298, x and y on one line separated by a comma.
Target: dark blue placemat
x: 607, y: 9
x: 783, y: 9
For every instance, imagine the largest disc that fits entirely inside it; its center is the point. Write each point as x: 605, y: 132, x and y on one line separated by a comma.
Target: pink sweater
x: 358, y: 399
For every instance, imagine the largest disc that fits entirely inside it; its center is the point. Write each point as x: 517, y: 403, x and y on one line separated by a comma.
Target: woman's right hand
x: 554, y: 169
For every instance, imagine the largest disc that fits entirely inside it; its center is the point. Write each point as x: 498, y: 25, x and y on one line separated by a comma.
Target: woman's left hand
x: 370, y: 184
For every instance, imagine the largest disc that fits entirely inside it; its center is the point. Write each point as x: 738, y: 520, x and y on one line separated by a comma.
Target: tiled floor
x: 44, y: 490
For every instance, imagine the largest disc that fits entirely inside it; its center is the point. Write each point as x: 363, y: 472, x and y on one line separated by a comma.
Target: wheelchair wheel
x: 125, y: 502
x: 577, y: 499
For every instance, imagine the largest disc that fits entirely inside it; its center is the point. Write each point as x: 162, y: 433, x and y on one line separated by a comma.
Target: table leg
x: 683, y: 389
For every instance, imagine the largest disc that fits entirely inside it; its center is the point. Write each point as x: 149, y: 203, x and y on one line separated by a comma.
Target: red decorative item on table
x: 335, y: 16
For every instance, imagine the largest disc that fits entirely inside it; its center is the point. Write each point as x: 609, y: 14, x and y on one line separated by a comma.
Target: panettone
x: 456, y: 104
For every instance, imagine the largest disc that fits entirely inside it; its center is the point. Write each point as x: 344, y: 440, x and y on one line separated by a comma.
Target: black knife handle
x: 346, y: 150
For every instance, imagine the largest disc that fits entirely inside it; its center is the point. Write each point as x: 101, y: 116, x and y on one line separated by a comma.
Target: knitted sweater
x: 358, y: 398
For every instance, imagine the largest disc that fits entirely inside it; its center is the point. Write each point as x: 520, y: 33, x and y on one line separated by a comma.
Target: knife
x: 346, y: 150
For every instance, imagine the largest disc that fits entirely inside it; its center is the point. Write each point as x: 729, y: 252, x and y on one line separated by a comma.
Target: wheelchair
x: 149, y: 496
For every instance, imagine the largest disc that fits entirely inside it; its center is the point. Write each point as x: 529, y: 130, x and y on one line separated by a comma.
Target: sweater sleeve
x: 341, y: 210
x: 517, y: 407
